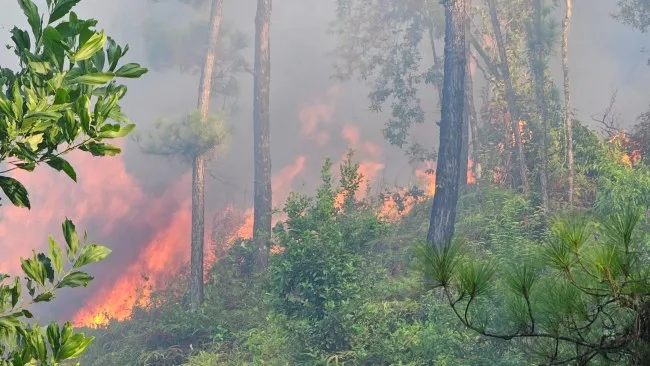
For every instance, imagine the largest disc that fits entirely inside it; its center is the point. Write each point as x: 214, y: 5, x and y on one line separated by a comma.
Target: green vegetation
x: 62, y: 98
x: 536, y: 273
x: 347, y: 287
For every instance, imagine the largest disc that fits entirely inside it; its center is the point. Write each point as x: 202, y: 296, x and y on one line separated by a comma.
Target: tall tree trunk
x: 261, y: 131
x: 470, y: 111
x: 464, y: 167
x: 443, y: 212
x: 473, y: 124
x: 540, y: 100
x: 568, y: 119
x: 198, y: 166
x: 511, y: 98
x: 464, y: 150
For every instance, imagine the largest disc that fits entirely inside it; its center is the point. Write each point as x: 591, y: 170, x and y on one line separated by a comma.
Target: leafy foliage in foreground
x: 24, y: 343
x: 63, y: 98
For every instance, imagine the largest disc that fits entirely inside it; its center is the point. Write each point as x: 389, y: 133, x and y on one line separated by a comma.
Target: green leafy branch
x: 65, y: 95
x: 43, y: 276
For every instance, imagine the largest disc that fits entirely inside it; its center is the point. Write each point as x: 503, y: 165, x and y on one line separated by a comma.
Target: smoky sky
x: 604, y: 55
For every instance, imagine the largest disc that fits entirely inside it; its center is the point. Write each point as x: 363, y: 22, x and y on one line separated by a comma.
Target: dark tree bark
x: 511, y: 98
x: 540, y: 100
x: 261, y: 132
x: 443, y: 212
x: 198, y: 165
x: 568, y: 121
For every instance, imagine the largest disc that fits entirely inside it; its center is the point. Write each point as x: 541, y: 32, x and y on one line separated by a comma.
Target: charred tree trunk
x: 568, y: 119
x: 540, y: 100
x: 443, y: 212
x: 198, y: 165
x: 261, y: 132
x: 511, y: 98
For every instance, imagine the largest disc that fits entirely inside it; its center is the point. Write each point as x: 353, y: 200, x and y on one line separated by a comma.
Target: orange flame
x: 164, y: 255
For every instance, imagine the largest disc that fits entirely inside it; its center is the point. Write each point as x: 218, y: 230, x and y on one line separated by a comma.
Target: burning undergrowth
x: 149, y: 232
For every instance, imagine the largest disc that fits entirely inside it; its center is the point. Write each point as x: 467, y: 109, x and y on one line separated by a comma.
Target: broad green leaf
x: 9, y: 322
x: 99, y: 59
x: 5, y: 107
x: 54, y: 337
x: 90, y: 47
x: 121, y: 132
x: 61, y: 164
x: 21, y: 39
x: 100, y: 149
x: 70, y: 235
x: 34, y: 140
x: 36, y: 116
x: 27, y: 166
x: 32, y: 100
x: 98, y: 78
x: 66, y: 332
x: 30, y: 287
x: 75, y: 279
x: 61, y: 9
x: 62, y: 96
x: 55, y: 255
x: 40, y: 67
x: 83, y: 111
x: 16, y: 292
x: 33, y: 270
x: 130, y: 70
x: 114, y: 53
x: 91, y: 253
x: 45, y: 297
x: 117, y: 115
x: 74, y: 347
x: 17, y: 96
x: 15, y: 191
x: 54, y: 47
x: 47, y: 266
x: 33, y: 17
x: 102, y: 110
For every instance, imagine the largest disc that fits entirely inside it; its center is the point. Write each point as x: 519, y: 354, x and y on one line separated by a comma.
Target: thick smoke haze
x: 312, y: 117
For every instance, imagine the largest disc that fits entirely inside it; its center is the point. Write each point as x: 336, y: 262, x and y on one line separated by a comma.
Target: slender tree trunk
x: 473, y: 124
x: 511, y: 98
x: 464, y: 167
x: 198, y: 166
x: 261, y: 131
x: 470, y: 111
x: 443, y: 212
x: 540, y: 100
x: 568, y: 119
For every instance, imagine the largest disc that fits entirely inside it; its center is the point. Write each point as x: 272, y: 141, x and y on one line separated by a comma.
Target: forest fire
x: 165, y: 253
x: 163, y: 224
